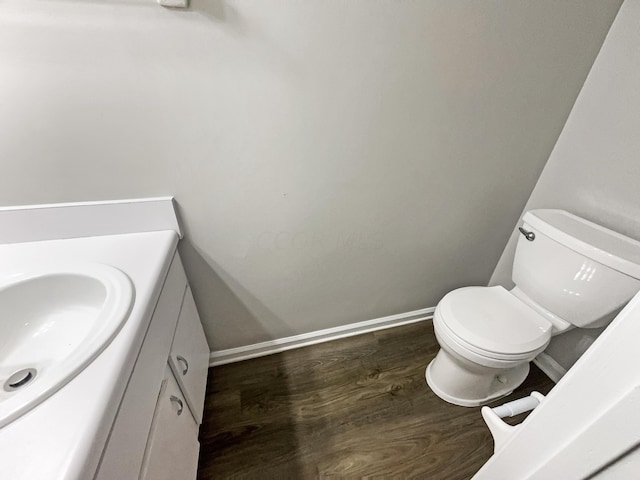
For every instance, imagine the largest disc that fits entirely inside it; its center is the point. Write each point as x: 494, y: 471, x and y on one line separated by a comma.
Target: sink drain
x: 20, y: 379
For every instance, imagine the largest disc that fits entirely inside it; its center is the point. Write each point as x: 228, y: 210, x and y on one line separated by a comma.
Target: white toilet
x: 567, y: 271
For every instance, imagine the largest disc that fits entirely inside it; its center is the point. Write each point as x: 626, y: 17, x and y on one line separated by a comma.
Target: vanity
x: 155, y: 432
x: 133, y: 410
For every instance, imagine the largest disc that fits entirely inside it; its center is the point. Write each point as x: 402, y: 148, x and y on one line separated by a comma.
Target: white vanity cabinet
x: 155, y: 433
x: 189, y: 357
x: 172, y: 449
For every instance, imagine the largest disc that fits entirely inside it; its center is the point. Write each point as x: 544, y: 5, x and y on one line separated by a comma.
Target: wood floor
x: 351, y: 408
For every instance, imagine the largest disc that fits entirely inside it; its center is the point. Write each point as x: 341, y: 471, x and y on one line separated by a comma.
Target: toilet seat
x: 491, y: 323
x: 476, y: 355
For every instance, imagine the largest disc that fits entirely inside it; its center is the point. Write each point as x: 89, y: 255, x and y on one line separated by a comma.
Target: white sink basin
x: 54, y: 322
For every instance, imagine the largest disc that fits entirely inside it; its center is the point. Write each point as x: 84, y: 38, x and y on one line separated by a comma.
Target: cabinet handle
x: 180, y: 358
x: 175, y: 399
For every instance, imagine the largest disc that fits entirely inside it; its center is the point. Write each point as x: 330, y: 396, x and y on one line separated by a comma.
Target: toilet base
x: 460, y: 382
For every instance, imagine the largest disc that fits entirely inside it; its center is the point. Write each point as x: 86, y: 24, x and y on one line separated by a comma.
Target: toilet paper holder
x: 501, y: 430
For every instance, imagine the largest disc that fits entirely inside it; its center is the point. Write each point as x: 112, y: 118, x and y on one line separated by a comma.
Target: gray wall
x: 594, y: 169
x: 334, y: 161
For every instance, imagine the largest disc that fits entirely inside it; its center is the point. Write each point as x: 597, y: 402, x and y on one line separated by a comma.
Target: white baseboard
x: 222, y: 357
x: 550, y: 367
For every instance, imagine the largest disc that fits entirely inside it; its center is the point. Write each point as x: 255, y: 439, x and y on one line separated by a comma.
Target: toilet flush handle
x: 528, y: 235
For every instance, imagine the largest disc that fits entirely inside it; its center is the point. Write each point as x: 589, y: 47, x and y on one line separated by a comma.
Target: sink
x: 54, y: 321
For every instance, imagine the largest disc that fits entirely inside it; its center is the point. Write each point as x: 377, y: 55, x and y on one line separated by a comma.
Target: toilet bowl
x: 485, y: 352
x: 568, y: 272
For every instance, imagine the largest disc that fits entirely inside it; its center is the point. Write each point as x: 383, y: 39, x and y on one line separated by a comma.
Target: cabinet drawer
x: 189, y: 357
x: 172, y: 449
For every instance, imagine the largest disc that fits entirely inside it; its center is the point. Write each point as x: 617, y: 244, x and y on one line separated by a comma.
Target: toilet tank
x: 575, y: 269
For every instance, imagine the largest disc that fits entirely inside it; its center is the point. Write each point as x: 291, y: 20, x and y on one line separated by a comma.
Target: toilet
x: 568, y: 272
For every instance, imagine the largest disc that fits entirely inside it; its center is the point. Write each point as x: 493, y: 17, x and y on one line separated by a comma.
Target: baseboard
x: 222, y: 357
x: 550, y: 367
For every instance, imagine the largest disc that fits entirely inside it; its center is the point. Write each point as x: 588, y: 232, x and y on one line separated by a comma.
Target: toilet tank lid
x: 598, y: 243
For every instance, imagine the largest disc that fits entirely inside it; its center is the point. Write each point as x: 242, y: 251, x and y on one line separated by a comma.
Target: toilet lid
x: 494, y: 320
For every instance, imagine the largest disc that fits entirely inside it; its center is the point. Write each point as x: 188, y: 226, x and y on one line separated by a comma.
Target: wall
x: 334, y: 161
x: 594, y: 169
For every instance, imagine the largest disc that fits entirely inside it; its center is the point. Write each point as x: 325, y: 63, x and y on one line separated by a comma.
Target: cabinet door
x: 189, y: 358
x: 172, y: 448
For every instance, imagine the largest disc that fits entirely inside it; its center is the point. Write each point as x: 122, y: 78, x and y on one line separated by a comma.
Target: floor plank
x: 357, y: 407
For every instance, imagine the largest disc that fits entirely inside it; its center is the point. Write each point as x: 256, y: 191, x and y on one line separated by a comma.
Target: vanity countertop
x: 63, y: 437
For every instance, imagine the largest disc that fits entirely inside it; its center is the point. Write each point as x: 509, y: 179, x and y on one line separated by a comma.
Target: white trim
x: 222, y: 357
x: 32, y: 223
x: 550, y: 367
x: 618, y: 425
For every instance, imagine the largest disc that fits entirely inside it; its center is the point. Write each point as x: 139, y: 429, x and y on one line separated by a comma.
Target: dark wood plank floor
x: 357, y: 407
